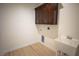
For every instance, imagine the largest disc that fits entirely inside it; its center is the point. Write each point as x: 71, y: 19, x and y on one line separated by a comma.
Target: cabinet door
x: 45, y: 14
x: 38, y: 16
x: 52, y: 13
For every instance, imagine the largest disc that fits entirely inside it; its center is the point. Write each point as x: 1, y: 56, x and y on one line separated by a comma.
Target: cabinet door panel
x: 45, y: 14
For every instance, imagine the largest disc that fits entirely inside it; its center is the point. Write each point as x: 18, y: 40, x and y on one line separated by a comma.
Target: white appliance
x: 67, y: 46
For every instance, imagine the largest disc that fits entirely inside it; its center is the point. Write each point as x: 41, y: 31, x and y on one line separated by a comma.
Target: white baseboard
x: 17, y: 47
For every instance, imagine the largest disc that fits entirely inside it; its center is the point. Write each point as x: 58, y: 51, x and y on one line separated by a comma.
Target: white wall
x: 52, y: 33
x: 18, y: 26
x: 69, y: 20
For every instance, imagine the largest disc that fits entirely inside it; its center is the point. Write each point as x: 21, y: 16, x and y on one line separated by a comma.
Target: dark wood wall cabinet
x: 46, y: 13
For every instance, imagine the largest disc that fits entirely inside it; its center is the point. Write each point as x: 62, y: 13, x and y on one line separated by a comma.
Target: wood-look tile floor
x: 32, y: 50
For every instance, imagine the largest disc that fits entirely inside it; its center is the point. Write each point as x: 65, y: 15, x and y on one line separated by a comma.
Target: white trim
x: 17, y: 47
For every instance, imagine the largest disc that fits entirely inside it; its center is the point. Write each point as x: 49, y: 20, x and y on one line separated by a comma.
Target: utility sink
x: 68, y: 46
